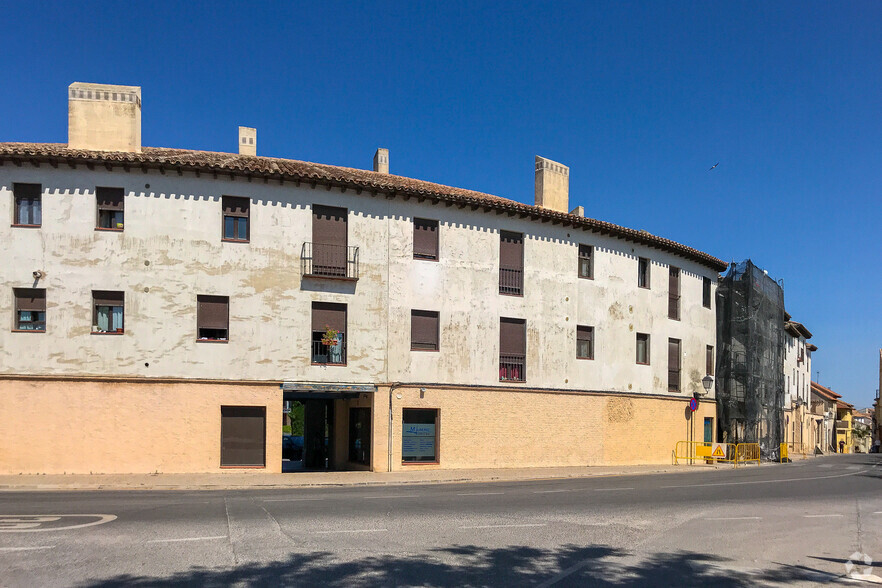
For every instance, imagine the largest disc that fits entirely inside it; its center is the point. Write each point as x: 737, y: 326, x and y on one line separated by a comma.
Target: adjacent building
x: 163, y: 304
x: 800, y: 426
x: 823, y: 403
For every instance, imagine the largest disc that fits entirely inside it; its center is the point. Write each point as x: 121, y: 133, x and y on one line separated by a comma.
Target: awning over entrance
x: 305, y: 390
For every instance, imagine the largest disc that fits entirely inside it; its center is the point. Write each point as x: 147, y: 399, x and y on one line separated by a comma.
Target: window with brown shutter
x: 706, y: 292
x: 511, y: 263
x: 643, y: 273
x: 643, y: 348
x: 584, y: 342
x: 28, y: 205
x: 673, y: 365
x: 30, y: 309
x: 329, y: 333
x: 512, y: 349
x: 329, y: 240
x: 111, y: 208
x: 236, y: 218
x: 674, y: 293
x: 425, y: 239
x: 424, y: 330
x: 586, y: 261
x: 710, y: 360
x: 212, y: 318
x: 243, y: 436
x: 107, y: 312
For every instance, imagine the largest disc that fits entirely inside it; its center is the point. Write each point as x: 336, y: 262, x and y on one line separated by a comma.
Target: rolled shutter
x: 110, y: 198
x: 326, y: 315
x: 674, y: 282
x: 106, y: 298
x: 424, y: 329
x: 425, y: 238
x: 30, y: 299
x: 673, y: 354
x: 512, y: 336
x: 511, y: 250
x: 243, y: 435
x: 213, y: 312
x: 329, y: 225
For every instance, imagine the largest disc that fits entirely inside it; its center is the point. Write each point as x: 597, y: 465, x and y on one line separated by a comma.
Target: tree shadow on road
x: 470, y: 565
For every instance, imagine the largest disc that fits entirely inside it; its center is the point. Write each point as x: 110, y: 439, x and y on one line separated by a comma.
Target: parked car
x: 292, y: 447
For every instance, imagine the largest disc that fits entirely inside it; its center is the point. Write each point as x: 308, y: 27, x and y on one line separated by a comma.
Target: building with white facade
x: 802, y: 428
x: 163, y: 303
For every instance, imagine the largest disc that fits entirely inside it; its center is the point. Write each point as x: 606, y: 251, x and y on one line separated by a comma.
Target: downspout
x: 389, y: 435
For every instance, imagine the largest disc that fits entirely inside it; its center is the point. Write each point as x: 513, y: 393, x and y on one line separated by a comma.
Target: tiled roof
x: 842, y: 404
x: 332, y: 176
x: 824, y: 392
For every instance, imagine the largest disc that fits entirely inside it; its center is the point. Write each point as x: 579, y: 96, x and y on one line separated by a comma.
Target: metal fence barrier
x: 747, y: 453
x: 702, y: 452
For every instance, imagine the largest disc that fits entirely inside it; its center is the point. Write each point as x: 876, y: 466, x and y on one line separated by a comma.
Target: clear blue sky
x: 639, y: 99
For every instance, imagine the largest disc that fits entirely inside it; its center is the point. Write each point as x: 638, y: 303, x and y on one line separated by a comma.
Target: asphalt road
x: 793, y: 524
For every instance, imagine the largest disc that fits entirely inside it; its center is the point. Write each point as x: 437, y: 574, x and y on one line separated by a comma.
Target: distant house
x: 823, y: 405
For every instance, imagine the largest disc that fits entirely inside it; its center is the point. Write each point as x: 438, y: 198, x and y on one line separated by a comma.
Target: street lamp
x: 707, y: 382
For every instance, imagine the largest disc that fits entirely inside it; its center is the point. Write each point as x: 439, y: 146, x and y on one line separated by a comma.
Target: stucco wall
x: 499, y: 428
x: 171, y: 250
x: 57, y: 427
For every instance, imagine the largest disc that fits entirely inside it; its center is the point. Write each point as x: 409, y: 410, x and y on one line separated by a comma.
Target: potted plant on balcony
x: 330, y: 337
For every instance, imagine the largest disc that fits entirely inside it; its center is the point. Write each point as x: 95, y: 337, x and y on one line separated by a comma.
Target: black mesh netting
x: 750, y: 359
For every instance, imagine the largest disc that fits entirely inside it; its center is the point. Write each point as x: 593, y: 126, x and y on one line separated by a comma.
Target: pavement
x: 304, y: 479
x: 808, y: 523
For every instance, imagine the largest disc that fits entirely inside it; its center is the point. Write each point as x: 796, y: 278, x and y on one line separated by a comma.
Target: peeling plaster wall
x: 171, y: 250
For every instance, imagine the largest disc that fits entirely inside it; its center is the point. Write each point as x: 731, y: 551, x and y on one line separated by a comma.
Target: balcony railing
x: 329, y: 261
x: 511, y: 281
x: 329, y: 354
x: 512, y: 368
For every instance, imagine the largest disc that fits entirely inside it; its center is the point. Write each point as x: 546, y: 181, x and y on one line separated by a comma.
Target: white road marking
x: 610, y: 489
x: 878, y: 512
x: 823, y: 516
x: 383, y: 497
x: 549, y: 491
x: 31, y: 523
x: 291, y: 499
x: 26, y: 548
x: 734, y: 519
x: 503, y: 526
x: 187, y: 539
x: 352, y: 531
x: 765, y: 481
x: 480, y: 493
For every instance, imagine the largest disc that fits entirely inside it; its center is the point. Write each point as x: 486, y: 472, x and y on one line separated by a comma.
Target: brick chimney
x: 247, y: 141
x: 381, y: 161
x: 552, y: 185
x: 103, y: 117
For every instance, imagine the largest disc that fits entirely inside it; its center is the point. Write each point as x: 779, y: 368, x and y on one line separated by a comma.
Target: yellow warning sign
x: 719, y: 451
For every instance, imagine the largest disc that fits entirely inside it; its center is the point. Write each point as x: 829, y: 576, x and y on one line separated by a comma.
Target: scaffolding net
x: 750, y: 359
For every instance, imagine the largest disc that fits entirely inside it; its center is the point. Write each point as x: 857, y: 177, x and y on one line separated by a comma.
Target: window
x: 111, y: 202
x: 419, y: 435
x: 586, y: 261
x: 423, y: 330
x: 360, y: 435
x: 706, y: 292
x: 584, y: 342
x: 212, y: 318
x: 674, y: 293
x: 710, y: 362
x: 330, y: 238
x: 512, y: 350
x: 328, y: 333
x: 107, y: 312
x: 30, y: 309
x: 243, y: 436
x: 643, y: 348
x: 511, y: 263
x: 236, y: 211
x: 28, y: 205
x: 673, y: 365
x: 425, y: 239
x: 643, y: 272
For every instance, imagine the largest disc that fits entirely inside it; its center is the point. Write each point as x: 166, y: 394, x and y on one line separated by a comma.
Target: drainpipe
x: 391, y: 389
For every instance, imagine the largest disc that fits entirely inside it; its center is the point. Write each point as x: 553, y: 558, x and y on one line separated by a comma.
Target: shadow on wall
x: 470, y: 565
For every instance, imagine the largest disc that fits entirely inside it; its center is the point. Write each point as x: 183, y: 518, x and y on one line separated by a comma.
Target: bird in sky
x: 714, y: 165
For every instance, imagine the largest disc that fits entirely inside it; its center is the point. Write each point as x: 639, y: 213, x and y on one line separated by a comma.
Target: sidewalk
x: 240, y: 480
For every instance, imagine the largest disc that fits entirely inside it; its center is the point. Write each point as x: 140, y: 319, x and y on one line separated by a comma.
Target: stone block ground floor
x: 57, y: 426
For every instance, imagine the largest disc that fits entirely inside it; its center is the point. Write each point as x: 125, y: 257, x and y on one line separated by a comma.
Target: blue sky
x: 639, y: 99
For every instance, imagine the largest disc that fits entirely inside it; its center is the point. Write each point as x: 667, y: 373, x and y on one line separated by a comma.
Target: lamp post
x: 707, y: 382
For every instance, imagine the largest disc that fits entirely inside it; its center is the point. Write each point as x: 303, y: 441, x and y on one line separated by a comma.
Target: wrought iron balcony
x: 318, y: 260
x: 511, y: 281
x: 329, y: 354
x: 512, y: 368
